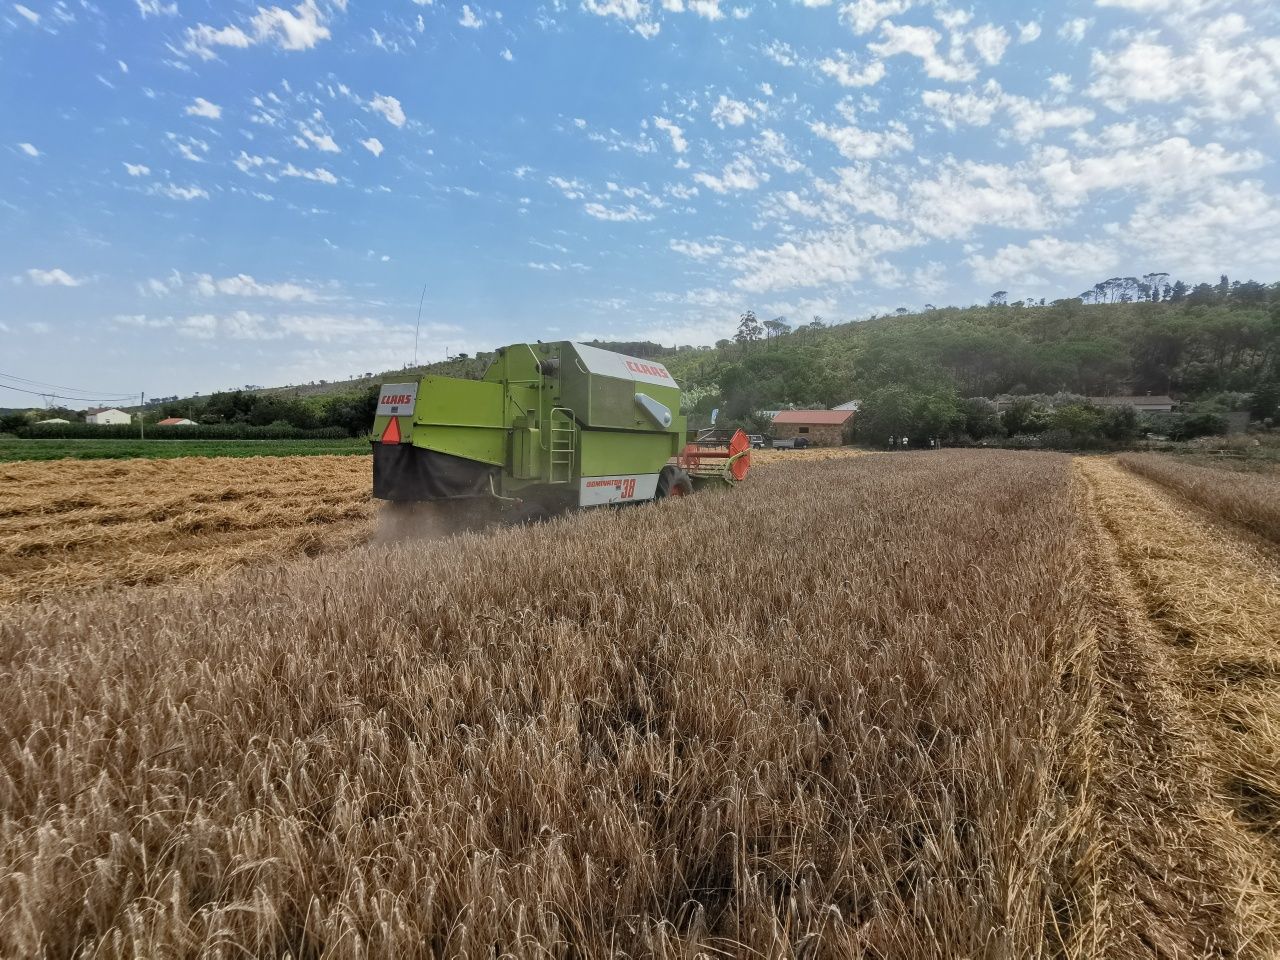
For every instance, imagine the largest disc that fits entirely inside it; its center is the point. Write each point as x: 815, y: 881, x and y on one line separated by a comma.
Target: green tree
x: 1080, y: 421
x: 1025, y: 417
x: 749, y: 329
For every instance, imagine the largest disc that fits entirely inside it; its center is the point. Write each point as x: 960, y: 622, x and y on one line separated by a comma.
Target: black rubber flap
x: 403, y: 472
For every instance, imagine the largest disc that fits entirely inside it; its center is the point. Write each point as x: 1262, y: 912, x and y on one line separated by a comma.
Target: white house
x: 109, y: 417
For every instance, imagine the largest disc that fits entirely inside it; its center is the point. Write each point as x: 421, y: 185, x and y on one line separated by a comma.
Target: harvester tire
x: 673, y: 482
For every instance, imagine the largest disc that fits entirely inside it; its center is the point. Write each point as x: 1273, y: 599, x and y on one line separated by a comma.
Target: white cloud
x: 572, y: 189
x: 1030, y: 119
x: 201, y: 107
x: 27, y: 13
x: 299, y: 29
x: 740, y: 173
x: 780, y: 53
x: 636, y: 13
x: 965, y: 194
x: 202, y: 38
x: 1222, y: 226
x: 863, y: 16
x: 189, y: 147
x: 319, y: 174
x: 29, y: 150
x: 320, y: 139
x: 506, y: 54
x: 678, y: 142
x: 730, y: 112
x: 708, y: 9
x: 846, y: 71
x: 858, y: 144
x: 857, y: 188
x: 1073, y: 30
x: 1226, y: 75
x: 991, y: 42
x: 137, y: 169
x: 1044, y: 260
x: 246, y: 163
x: 389, y: 108
x: 772, y: 146
x: 922, y: 42
x: 57, y: 277
x: 1183, y: 7
x: 175, y: 192
x: 1029, y: 32
x: 1171, y: 168
x: 243, y: 285
x: 156, y: 8
x: 373, y: 145
x: 839, y: 256
x: 243, y: 325
x: 469, y: 19
x: 695, y: 250
x: 974, y: 109
x: 628, y: 214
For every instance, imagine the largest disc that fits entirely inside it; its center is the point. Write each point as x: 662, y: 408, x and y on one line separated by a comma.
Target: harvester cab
x: 550, y: 427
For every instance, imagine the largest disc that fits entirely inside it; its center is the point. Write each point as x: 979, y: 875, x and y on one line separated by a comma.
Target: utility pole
x: 142, y: 417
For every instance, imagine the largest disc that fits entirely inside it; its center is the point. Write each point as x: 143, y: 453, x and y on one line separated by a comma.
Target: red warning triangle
x: 392, y: 433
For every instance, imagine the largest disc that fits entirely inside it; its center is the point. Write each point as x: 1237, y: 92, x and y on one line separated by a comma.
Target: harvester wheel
x: 673, y: 482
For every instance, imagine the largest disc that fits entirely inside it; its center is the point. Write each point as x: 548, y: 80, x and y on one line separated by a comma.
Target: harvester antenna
x: 418, y: 326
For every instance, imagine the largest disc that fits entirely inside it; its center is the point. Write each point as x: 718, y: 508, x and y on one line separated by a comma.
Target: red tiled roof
x: 820, y: 418
x: 170, y: 421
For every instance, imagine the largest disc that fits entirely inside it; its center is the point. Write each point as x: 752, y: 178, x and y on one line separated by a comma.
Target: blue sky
x: 196, y: 195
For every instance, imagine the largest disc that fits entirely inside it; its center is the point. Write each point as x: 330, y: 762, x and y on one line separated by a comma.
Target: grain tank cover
x: 608, y: 364
x: 601, y: 388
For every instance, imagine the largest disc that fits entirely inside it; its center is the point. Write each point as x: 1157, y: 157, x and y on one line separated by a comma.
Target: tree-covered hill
x: 1191, y: 348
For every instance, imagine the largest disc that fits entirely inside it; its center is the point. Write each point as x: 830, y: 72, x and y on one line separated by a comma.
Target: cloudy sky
x: 203, y: 193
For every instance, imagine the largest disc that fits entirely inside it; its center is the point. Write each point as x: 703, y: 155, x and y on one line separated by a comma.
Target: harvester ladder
x: 563, y: 434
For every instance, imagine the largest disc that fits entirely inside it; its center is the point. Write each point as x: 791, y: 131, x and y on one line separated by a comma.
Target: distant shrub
x: 216, y: 431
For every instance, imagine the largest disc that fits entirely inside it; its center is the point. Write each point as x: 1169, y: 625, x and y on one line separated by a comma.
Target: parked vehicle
x: 795, y: 443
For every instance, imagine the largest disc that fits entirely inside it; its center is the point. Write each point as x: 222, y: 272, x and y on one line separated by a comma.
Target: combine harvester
x: 551, y: 427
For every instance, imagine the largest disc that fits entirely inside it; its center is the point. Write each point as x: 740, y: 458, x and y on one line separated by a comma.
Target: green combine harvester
x: 550, y: 427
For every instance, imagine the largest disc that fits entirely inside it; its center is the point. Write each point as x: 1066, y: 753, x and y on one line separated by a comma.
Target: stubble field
x: 71, y: 526
x: 905, y: 705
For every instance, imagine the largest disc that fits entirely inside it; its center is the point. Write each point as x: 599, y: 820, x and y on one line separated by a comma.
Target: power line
x: 58, y: 386
x: 62, y: 396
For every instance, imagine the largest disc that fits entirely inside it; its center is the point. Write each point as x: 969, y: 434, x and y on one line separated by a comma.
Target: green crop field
x: 14, y: 449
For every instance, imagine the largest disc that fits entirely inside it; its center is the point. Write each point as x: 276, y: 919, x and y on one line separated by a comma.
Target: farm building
x: 1146, y: 404
x: 823, y: 428
x: 108, y: 417
x: 175, y: 422
x: 854, y: 405
x: 55, y: 420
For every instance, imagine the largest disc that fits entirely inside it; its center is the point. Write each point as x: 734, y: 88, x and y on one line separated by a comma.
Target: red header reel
x: 718, y: 460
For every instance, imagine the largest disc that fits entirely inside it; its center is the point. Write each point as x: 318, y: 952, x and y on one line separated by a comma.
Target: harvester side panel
x: 606, y: 453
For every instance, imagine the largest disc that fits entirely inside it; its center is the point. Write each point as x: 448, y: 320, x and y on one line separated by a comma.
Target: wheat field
x: 73, y: 526
x: 904, y: 705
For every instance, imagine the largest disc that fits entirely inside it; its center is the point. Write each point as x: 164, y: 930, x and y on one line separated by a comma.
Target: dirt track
x: 1187, y: 718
